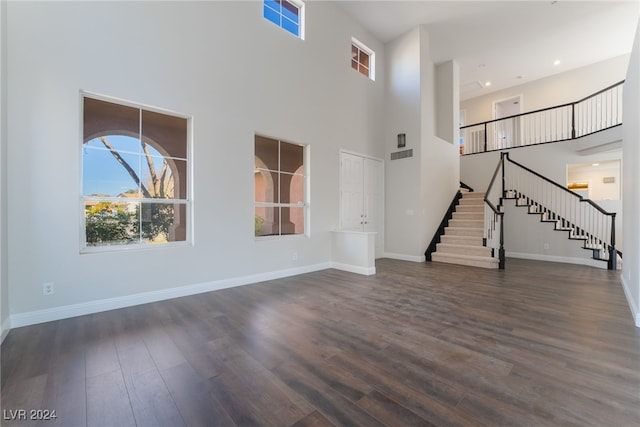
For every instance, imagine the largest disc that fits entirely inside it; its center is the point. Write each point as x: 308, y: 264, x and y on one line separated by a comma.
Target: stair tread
x: 458, y: 245
x: 458, y: 240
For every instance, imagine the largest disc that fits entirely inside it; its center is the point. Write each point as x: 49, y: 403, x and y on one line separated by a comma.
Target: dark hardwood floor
x: 539, y: 344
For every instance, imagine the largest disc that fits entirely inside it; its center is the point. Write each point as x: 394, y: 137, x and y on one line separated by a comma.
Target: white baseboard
x: 73, y: 310
x: 553, y: 258
x: 404, y: 257
x: 633, y: 305
x: 5, y: 328
x: 367, y: 271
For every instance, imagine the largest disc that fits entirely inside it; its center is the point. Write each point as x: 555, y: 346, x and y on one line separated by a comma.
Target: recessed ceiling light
x: 595, y: 164
x: 556, y: 62
x: 487, y: 84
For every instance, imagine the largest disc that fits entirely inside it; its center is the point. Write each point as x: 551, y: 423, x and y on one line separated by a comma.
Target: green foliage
x: 258, y: 225
x: 156, y: 220
x: 119, y: 222
x: 112, y: 223
x: 109, y: 223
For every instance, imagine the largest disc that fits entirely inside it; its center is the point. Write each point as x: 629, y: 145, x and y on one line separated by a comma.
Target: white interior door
x: 507, y: 132
x: 372, y: 194
x: 351, y: 192
x: 361, y: 196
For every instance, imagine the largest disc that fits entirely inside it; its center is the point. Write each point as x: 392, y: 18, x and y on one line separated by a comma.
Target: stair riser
x: 489, y: 263
x: 463, y: 250
x: 472, y: 232
x: 461, y: 240
x: 473, y: 195
x: 473, y: 216
x: 466, y: 223
x: 471, y: 202
x: 469, y: 208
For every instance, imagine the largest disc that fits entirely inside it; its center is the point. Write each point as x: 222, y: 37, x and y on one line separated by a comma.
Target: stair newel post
x: 613, y: 253
x: 501, y: 254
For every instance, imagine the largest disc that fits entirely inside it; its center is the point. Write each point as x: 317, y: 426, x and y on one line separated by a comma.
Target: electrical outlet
x: 546, y: 246
x: 47, y: 288
x: 294, y: 257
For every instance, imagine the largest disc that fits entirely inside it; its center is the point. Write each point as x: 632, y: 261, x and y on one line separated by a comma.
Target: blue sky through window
x: 284, y: 14
x: 103, y: 175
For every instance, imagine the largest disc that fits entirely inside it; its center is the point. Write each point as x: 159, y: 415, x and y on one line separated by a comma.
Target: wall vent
x: 402, y: 154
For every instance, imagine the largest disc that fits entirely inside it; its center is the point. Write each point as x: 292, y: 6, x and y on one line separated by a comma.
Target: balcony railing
x: 597, y: 112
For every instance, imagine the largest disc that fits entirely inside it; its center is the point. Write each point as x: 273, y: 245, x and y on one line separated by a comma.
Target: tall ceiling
x: 507, y: 43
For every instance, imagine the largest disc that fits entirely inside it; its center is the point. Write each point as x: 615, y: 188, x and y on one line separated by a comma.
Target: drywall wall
x: 419, y: 188
x: 447, y: 100
x: 224, y: 65
x: 631, y: 174
x: 525, y: 236
x: 4, y: 278
x: 603, y: 179
x: 440, y: 169
x: 403, y: 115
x: 561, y: 88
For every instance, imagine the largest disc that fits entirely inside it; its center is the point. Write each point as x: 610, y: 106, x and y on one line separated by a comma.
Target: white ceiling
x: 498, y: 41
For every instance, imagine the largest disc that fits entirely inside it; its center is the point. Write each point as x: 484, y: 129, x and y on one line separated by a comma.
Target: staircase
x: 599, y: 250
x: 462, y: 242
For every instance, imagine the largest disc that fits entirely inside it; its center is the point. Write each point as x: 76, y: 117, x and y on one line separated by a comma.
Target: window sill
x: 132, y: 247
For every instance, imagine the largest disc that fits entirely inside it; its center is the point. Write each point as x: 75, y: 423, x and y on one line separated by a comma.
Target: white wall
x: 236, y: 74
x: 4, y: 281
x: 447, y: 101
x: 525, y: 236
x: 561, y: 88
x: 631, y: 172
x: 402, y: 112
x: 595, y: 176
x: 419, y: 189
x: 440, y: 168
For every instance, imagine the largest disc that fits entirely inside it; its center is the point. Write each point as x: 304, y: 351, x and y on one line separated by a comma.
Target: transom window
x: 362, y: 59
x: 287, y: 14
x: 280, y: 187
x: 135, y: 176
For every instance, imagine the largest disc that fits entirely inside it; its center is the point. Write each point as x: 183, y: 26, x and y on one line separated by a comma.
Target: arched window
x: 134, y: 175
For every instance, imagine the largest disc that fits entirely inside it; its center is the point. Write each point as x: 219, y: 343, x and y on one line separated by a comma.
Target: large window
x: 287, y: 14
x: 135, y: 188
x: 362, y: 59
x: 280, y: 183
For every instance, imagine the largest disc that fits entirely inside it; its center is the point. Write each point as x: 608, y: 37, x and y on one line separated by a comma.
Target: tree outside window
x: 134, y: 180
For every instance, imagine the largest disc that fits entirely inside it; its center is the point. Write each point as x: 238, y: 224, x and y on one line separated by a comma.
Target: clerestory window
x: 287, y: 14
x: 362, y: 59
x: 135, y: 175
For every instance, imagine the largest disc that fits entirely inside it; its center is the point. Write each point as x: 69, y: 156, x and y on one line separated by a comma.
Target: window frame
x: 372, y: 58
x: 187, y: 201
x: 305, y: 204
x: 298, y: 4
